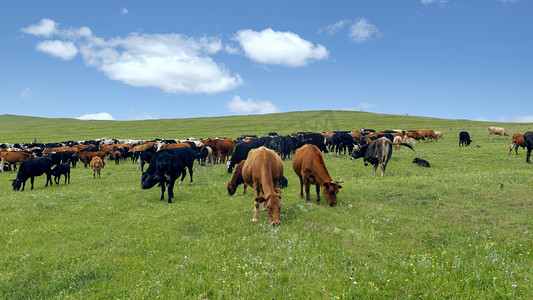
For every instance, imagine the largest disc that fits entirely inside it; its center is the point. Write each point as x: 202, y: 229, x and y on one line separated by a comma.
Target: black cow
x: 165, y: 167
x: 464, y: 139
x: 186, y: 157
x: 528, y: 138
x: 341, y: 141
x: 283, y: 183
x: 312, y: 138
x: 144, y: 157
x: 283, y: 145
x: 35, y: 166
x: 57, y: 171
x: 378, y: 152
x: 241, y: 152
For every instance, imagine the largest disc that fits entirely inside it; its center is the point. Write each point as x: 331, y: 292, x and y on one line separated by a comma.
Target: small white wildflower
x: 355, y: 282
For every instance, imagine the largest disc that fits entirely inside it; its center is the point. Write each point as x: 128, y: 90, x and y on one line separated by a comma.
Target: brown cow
x: 58, y: 149
x: 87, y: 156
x: 428, y: 134
x: 236, y: 180
x: 117, y: 156
x: 499, y: 131
x: 172, y: 146
x: 14, y: 158
x: 518, y: 140
x: 414, y: 135
x: 97, y: 164
x: 308, y: 164
x: 222, y: 147
x: 263, y: 170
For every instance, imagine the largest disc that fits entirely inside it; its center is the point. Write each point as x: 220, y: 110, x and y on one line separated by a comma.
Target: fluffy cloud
x: 363, y: 31
x: 98, y: 116
x: 171, y: 62
x: 524, y: 119
x: 45, y: 28
x: 240, y: 106
x: 63, y: 50
x: 279, y: 48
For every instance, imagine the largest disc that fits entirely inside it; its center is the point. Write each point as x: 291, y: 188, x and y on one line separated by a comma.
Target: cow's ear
x: 260, y: 199
x: 340, y: 186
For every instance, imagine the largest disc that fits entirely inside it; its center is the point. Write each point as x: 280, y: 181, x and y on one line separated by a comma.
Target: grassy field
x: 450, y: 231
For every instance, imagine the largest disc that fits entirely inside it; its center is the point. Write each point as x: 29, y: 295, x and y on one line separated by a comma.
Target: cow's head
x: 16, y: 184
x: 149, y: 180
x: 232, y: 188
x: 330, y: 190
x: 273, y: 206
x: 357, y: 152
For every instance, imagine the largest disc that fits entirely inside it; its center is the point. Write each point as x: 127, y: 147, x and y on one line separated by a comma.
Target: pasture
x: 460, y: 229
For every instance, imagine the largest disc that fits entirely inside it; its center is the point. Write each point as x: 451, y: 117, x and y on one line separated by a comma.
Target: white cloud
x: 26, y: 94
x: 171, y: 62
x: 363, y: 31
x: 334, y: 28
x: 45, y: 28
x: 124, y: 11
x: 279, y: 48
x: 240, y: 106
x: 98, y: 116
x: 63, y: 50
x: 524, y: 119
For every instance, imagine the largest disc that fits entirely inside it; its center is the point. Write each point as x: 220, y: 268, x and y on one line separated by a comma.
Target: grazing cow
x: 222, y: 147
x: 87, y: 156
x: 14, y: 158
x: 59, y: 170
x: 186, y: 156
x: 241, y: 152
x: 308, y: 164
x: 499, y: 131
x: 342, y: 141
x: 97, y: 164
x: 203, y: 154
x: 518, y: 140
x: 397, y: 141
x: 263, y: 170
x: 116, y: 156
x: 165, y: 167
x: 236, y: 180
x: 439, y: 135
x: 421, y: 162
x: 464, y: 139
x: 528, y: 138
x: 378, y: 152
x: 428, y: 134
x: 35, y: 166
x: 415, y: 135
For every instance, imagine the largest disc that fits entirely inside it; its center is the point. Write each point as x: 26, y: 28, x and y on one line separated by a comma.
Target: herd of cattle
x: 257, y: 160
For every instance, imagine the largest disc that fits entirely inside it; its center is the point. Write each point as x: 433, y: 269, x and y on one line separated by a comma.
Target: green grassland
x: 449, y: 231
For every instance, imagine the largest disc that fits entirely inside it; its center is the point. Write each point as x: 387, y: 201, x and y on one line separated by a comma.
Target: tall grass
x: 446, y: 231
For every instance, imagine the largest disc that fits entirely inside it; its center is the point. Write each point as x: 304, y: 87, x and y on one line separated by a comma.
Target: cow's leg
x: 256, y: 211
x: 94, y: 174
x: 171, y: 189
x: 383, y: 167
x: 375, y: 168
x: 511, y: 148
x: 162, y: 184
x: 528, y: 154
x: 68, y: 174
x: 318, y: 193
x: 301, y: 187
x: 32, y: 178
x: 307, y: 186
x: 190, y: 171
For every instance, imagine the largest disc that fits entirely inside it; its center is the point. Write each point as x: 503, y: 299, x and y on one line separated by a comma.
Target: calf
x: 421, y: 162
x: 60, y: 169
x: 97, y: 164
x: 165, y: 167
x: 518, y: 140
x: 236, y: 180
x: 464, y: 139
x: 308, y: 164
x: 378, y: 152
x: 263, y: 170
x: 35, y: 166
x: 499, y: 131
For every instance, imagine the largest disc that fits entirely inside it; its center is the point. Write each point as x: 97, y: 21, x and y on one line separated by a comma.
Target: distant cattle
x: 30, y: 168
x: 528, y: 138
x: 222, y: 148
x: 342, y: 141
x: 464, y: 139
x: 414, y: 135
x: 421, y: 162
x: 241, y: 152
x: 428, y: 134
x: 61, y: 169
x: 87, y: 156
x: 378, y: 152
x: 263, y: 170
x: 439, y: 135
x: 97, y: 164
x: 517, y: 141
x: 308, y: 164
x: 499, y: 131
x: 236, y: 180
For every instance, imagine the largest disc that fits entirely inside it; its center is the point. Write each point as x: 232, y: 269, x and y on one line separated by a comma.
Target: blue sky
x: 130, y: 60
